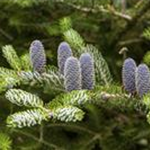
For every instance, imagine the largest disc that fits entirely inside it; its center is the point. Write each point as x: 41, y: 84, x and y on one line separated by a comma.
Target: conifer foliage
x: 76, y: 104
x: 69, y: 97
x: 102, y: 72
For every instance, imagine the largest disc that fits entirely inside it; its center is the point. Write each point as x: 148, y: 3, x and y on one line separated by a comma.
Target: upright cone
x: 72, y: 74
x: 87, y: 71
x: 128, y: 75
x: 142, y: 80
x: 37, y: 56
x: 64, y: 52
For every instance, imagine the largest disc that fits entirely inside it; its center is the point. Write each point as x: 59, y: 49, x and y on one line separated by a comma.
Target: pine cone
x: 72, y: 74
x: 64, y: 51
x: 142, y: 80
x: 87, y: 71
x: 37, y: 56
x: 128, y: 75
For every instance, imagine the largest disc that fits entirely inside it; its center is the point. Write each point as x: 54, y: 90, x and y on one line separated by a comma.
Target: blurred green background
x: 108, y: 24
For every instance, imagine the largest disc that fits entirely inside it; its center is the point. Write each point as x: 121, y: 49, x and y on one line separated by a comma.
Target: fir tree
x: 37, y: 112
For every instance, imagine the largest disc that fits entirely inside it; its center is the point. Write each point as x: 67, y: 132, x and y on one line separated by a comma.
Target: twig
x: 96, y: 137
x: 41, y: 132
x: 123, y: 6
x: 123, y: 52
x: 129, y: 26
x: 111, y: 10
x: 101, y: 9
x: 36, y: 139
x: 83, y: 129
x: 128, y: 42
x: 11, y: 108
x: 76, y: 127
x: 6, y: 34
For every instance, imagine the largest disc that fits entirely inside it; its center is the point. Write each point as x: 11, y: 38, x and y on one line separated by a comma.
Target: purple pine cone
x: 87, y: 71
x: 142, y: 80
x: 72, y: 74
x: 37, y: 56
x: 128, y: 75
x: 64, y: 52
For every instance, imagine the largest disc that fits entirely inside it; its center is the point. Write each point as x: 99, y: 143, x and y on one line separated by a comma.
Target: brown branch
x: 130, y: 25
x: 73, y: 126
x: 123, y: 3
x: 9, y: 37
x: 98, y: 9
x: 130, y: 41
x: 50, y: 145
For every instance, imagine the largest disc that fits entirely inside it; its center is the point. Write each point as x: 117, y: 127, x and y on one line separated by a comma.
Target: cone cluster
x: 135, y: 78
x: 78, y: 74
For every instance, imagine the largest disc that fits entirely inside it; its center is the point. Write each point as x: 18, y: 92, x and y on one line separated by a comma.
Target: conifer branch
x: 5, y: 142
x: 25, y: 62
x: 101, y: 67
x: 12, y: 58
x: 68, y: 114
x: 103, y: 75
x: 48, y: 79
x: 145, y: 5
x: 101, y: 9
x: 50, y: 145
x: 23, y: 98
x: 28, y: 76
x: 76, y: 98
x: 72, y: 126
x: 74, y: 39
x: 146, y: 100
x: 8, y: 78
x: 146, y: 33
x: 53, y: 78
x: 28, y: 118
